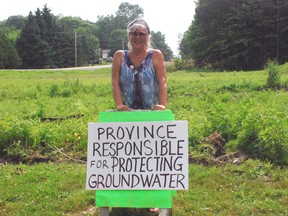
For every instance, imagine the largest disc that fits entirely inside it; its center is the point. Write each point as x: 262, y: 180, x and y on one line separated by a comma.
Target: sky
x: 171, y: 18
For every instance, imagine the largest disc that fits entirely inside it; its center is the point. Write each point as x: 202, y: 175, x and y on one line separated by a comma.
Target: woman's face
x: 138, y: 38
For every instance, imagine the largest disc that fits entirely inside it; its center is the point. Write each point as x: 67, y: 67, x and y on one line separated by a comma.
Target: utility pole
x: 75, y: 39
x: 278, y: 31
x: 122, y: 43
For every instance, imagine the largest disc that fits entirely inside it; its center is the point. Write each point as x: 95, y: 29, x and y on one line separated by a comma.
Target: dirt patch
x: 54, y: 155
x: 234, y: 157
x: 91, y: 210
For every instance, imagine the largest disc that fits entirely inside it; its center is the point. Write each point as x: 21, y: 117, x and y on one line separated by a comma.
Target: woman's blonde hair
x: 135, y: 24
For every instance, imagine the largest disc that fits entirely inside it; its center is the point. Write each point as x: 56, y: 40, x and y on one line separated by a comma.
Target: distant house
x: 105, y: 53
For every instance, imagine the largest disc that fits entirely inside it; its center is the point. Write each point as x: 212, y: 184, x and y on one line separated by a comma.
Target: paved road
x: 71, y: 68
x: 84, y: 68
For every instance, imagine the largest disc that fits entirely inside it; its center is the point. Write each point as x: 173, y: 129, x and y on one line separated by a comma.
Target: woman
x: 139, y: 74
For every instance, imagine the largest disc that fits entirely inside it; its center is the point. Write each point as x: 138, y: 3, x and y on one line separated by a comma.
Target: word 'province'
x: 137, y: 132
x: 137, y: 155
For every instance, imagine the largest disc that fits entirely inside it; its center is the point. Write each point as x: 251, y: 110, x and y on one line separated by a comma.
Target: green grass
x: 233, y: 190
x: 26, y: 97
x: 43, y: 189
x: 59, y: 189
x: 251, y: 117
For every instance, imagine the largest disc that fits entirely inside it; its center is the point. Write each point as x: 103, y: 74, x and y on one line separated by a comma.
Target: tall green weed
x: 273, y: 79
x: 39, y: 109
x: 264, y: 135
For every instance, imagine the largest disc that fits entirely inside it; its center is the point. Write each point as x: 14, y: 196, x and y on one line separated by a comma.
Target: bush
x: 170, y: 67
x: 184, y: 64
x: 273, y: 80
x: 264, y: 135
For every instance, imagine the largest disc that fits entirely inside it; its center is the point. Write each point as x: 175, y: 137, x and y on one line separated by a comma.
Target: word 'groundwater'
x: 134, y: 181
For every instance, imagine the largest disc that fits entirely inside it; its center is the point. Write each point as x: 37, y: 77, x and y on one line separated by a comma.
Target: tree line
x: 43, y: 40
x: 237, y: 34
x: 224, y: 35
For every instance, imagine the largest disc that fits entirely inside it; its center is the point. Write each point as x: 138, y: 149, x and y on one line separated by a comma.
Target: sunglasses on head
x: 140, y: 34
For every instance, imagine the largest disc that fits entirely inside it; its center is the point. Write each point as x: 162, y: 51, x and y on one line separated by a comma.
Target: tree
x: 31, y: 48
x: 112, y: 30
x: 104, y: 28
x: 237, y: 34
x: 17, y: 22
x: 84, y: 35
x: 64, y: 53
x: 118, y: 40
x: 158, y: 42
x: 9, y: 57
x: 88, y: 46
x: 126, y: 13
x: 108, y: 25
x: 48, y: 28
x: 47, y: 41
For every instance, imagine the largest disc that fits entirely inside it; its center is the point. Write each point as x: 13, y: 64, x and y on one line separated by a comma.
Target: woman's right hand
x: 158, y: 107
x: 122, y: 107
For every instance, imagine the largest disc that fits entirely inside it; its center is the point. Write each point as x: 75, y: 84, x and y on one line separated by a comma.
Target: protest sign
x: 137, y: 156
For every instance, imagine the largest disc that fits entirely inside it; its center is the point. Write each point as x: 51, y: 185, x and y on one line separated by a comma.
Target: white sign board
x: 137, y: 156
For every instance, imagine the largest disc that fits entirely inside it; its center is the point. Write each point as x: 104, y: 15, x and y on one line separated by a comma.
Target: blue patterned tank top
x: 139, y: 88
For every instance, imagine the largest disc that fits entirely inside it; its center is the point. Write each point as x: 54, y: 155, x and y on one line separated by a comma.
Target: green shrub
x: 178, y: 62
x: 170, y: 67
x: 273, y: 79
x: 184, y: 64
x: 54, y: 90
x: 264, y: 135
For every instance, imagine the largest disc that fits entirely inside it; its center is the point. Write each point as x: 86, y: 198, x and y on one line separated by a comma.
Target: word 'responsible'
x: 137, y: 155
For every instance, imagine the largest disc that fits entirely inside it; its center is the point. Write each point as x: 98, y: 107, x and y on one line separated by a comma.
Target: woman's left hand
x: 158, y: 107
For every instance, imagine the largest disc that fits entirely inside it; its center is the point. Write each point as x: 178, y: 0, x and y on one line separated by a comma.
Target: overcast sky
x: 171, y: 18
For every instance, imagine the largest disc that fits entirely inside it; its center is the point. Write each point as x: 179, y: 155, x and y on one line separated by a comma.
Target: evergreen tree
x: 83, y: 50
x: 31, y: 48
x: 46, y: 42
x: 50, y: 34
x: 64, y: 47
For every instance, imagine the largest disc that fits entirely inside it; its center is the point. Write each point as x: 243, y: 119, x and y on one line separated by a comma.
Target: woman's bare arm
x: 159, y: 64
x: 116, y: 67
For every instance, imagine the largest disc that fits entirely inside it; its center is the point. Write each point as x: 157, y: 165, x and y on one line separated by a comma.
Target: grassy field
x: 253, y: 188
x: 44, y: 116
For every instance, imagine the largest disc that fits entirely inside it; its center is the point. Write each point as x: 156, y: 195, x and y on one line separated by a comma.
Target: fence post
x: 104, y: 211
